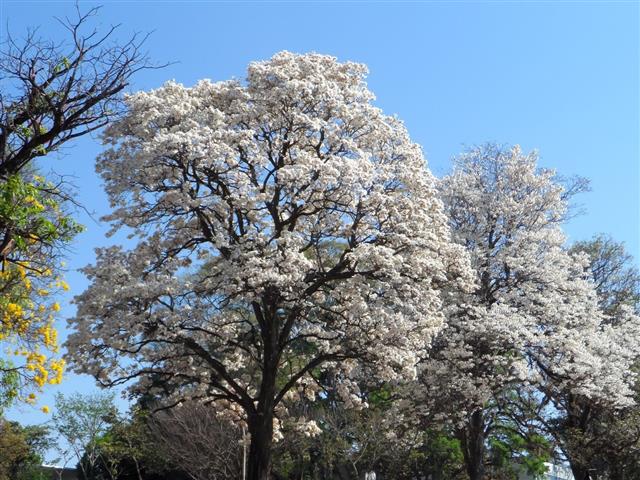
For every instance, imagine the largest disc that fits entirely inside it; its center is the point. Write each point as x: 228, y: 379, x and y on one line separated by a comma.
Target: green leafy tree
x: 130, y: 450
x: 21, y: 450
x: 82, y: 421
x: 512, y: 453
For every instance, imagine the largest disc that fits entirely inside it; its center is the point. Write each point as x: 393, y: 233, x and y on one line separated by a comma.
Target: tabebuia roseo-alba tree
x: 501, y: 208
x: 285, y: 225
x: 532, y: 327
x: 600, y: 434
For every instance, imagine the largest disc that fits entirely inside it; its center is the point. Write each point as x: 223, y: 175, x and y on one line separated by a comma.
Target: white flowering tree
x: 284, y: 225
x: 592, y: 418
x: 533, y: 323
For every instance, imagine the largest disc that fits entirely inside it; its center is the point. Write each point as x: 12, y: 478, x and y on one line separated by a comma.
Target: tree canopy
x: 284, y: 225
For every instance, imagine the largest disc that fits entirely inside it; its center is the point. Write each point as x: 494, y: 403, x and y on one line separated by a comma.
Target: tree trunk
x: 437, y: 473
x: 138, y: 471
x: 472, y: 442
x: 261, y: 420
x: 261, y: 429
x: 580, y: 472
x: 577, y: 422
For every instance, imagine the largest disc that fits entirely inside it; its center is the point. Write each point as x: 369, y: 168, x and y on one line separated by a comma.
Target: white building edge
x: 554, y: 472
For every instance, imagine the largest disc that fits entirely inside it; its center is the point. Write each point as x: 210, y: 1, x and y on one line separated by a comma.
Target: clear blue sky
x: 562, y: 77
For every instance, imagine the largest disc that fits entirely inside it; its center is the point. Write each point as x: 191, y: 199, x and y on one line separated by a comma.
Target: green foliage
x: 31, y: 211
x: 614, y: 271
x: 127, y: 451
x: 9, y: 382
x: 34, y: 227
x: 381, y: 396
x: 22, y: 450
x: 82, y: 420
x: 443, y: 451
x: 512, y: 452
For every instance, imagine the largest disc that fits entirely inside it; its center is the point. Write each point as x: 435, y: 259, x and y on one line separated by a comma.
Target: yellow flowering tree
x: 34, y: 227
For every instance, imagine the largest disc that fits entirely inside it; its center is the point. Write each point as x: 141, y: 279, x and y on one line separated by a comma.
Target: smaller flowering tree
x: 533, y: 325
x: 285, y: 225
x: 593, y: 397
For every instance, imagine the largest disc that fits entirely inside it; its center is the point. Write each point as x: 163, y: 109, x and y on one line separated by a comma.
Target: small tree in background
x: 81, y: 421
x: 196, y: 439
x: 533, y: 325
x: 598, y: 437
x: 22, y: 450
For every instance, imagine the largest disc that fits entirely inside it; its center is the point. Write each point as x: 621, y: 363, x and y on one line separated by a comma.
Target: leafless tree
x: 54, y: 92
x: 193, y: 438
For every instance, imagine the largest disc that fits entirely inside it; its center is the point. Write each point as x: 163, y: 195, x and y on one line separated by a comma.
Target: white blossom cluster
x: 283, y: 224
x: 533, y: 320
